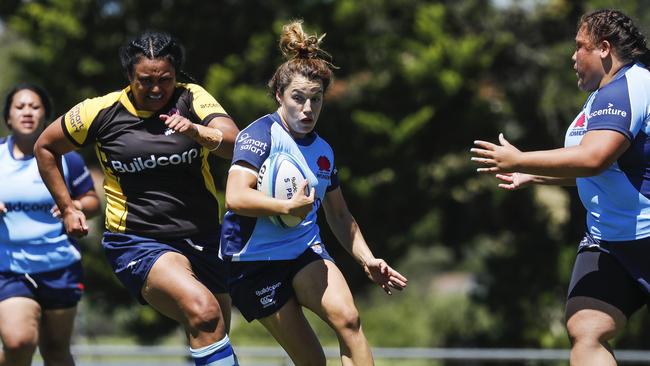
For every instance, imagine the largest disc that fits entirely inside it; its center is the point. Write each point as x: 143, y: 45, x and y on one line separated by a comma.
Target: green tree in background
x: 417, y: 82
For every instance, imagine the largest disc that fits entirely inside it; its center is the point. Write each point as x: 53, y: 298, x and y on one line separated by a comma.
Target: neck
x: 611, y: 69
x: 293, y: 134
x: 23, y: 146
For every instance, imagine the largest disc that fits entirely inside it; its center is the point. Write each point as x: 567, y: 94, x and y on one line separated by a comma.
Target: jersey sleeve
x: 334, y: 180
x: 204, y: 106
x: 611, y: 110
x: 79, y: 121
x: 253, y: 145
x: 78, y: 179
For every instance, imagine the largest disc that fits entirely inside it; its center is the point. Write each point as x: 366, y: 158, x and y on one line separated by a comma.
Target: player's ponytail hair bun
x: 304, y: 57
x: 295, y: 43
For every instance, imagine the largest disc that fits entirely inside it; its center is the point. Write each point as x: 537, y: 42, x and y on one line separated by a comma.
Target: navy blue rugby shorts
x: 260, y: 288
x: 132, y: 257
x: 614, y: 272
x: 58, y: 289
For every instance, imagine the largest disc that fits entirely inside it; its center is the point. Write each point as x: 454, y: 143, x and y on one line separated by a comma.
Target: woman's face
x: 587, y: 62
x: 27, y: 113
x: 152, y: 83
x: 300, y: 105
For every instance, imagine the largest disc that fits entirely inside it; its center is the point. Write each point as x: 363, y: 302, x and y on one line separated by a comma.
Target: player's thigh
x: 602, y: 295
x: 172, y: 287
x: 321, y: 287
x: 56, y: 327
x: 19, y: 320
x: 592, y: 318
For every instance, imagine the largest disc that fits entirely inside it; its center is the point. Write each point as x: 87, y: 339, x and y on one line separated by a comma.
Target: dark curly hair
x: 153, y: 45
x: 611, y: 25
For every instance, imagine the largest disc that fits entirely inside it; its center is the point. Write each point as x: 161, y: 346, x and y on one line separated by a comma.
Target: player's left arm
x: 348, y: 233
x: 218, y: 135
x: 596, y: 152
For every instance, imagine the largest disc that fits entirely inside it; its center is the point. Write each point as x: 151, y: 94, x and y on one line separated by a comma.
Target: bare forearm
x: 349, y: 234
x: 228, y: 130
x: 88, y: 204
x: 208, y: 137
x: 559, y: 163
x: 553, y: 181
x: 254, y: 203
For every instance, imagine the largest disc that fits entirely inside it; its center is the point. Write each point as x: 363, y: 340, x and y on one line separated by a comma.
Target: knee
x: 20, y: 343
x: 204, y: 314
x: 347, y: 319
x: 583, y: 328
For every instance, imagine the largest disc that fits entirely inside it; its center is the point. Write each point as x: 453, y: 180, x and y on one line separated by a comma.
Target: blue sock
x: 219, y: 353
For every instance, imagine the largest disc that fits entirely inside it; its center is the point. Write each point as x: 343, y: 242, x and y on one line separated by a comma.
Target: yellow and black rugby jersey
x: 157, y: 182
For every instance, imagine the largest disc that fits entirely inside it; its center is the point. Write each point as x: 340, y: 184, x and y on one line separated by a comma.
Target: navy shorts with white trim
x: 260, y: 288
x: 132, y: 257
x: 58, y: 289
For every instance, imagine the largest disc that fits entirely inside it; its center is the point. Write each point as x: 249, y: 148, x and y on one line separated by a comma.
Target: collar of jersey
x: 622, y: 71
x: 10, y: 146
x: 126, y: 102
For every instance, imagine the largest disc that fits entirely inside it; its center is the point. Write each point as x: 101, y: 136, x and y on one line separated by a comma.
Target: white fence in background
x: 113, y: 355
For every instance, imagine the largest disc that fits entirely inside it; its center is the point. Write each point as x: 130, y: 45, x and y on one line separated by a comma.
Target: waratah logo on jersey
x: 324, y: 167
x: 609, y: 111
x: 255, y: 146
x: 579, y: 126
x: 153, y: 161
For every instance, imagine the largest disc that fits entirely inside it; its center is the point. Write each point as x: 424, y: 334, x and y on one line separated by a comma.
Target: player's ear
x: 278, y: 97
x: 605, y: 49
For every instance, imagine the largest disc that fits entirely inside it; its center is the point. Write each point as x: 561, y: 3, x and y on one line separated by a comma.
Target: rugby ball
x: 279, y: 177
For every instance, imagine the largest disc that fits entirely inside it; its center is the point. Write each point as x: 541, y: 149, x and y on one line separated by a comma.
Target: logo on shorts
x: 317, y: 248
x: 267, y: 294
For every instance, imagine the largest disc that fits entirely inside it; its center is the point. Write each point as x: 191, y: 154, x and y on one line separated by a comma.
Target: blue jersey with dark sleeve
x: 31, y: 239
x: 618, y: 199
x: 246, y: 238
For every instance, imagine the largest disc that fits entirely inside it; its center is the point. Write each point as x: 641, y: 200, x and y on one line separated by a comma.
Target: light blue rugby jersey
x: 618, y: 200
x: 246, y: 238
x: 31, y: 240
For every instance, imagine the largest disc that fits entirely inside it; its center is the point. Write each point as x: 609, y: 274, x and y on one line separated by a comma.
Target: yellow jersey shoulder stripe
x: 79, y: 119
x: 203, y: 104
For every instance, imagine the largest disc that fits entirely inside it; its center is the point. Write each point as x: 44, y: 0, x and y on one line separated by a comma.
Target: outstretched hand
x: 382, y: 274
x: 514, y: 181
x: 498, y: 158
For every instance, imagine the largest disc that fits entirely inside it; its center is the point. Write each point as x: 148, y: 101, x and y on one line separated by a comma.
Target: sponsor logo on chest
x: 154, y: 161
x: 246, y: 143
x: 579, y: 127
